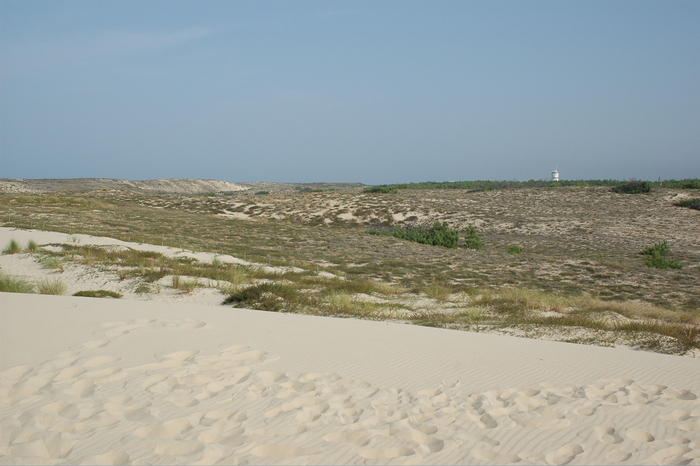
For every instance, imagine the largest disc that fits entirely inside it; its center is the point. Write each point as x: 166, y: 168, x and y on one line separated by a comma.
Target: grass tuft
x: 98, y: 294
x: 12, y: 247
x: 11, y: 284
x: 53, y: 287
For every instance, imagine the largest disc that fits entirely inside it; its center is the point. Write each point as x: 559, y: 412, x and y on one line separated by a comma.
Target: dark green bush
x: 98, y: 294
x: 657, y: 256
x: 471, y: 238
x: 259, y: 193
x: 691, y: 203
x: 633, y: 187
x: 381, y: 190
x: 437, y: 234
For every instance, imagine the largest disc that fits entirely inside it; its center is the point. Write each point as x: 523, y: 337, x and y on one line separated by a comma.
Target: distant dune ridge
x: 169, y: 186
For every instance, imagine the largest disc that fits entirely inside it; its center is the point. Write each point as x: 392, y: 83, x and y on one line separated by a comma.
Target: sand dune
x: 85, y: 380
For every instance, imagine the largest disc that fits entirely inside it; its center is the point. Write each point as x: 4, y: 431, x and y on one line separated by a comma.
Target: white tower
x: 555, y: 174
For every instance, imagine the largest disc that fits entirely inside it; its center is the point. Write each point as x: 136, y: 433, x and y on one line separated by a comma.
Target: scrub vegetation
x: 536, y: 262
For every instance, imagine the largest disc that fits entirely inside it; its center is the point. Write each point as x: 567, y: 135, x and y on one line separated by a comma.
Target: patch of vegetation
x: 98, y: 294
x: 52, y: 263
x: 658, y: 256
x: 12, y: 247
x: 262, y: 193
x: 384, y: 189
x: 690, y: 203
x: 633, y: 187
x: 143, y: 288
x: 53, y: 287
x: 274, y: 297
x: 32, y: 246
x: 437, y: 234
x: 11, y: 284
x: 471, y: 238
x: 515, y: 249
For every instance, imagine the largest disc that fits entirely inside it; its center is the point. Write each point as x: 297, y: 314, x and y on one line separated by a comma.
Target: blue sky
x: 372, y: 92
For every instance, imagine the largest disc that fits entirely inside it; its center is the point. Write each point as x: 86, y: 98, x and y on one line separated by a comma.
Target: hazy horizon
x: 369, y: 92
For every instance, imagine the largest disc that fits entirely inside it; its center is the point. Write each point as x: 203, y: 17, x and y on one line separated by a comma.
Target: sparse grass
x: 188, y: 286
x: 51, y: 262
x: 143, y: 288
x: 12, y: 284
x: 98, y: 294
x: 51, y: 286
x: 12, y: 247
x: 32, y: 246
x: 176, y: 282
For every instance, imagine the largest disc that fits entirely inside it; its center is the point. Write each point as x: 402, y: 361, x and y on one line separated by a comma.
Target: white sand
x: 86, y: 380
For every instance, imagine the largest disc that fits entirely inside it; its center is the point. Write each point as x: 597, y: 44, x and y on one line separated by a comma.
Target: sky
x: 358, y: 91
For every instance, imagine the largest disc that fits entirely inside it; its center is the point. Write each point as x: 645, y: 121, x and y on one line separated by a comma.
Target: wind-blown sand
x: 86, y: 380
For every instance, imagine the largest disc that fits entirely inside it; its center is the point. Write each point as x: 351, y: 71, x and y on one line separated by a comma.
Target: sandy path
x: 85, y: 380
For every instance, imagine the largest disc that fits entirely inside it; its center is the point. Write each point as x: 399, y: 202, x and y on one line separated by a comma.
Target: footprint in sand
x: 110, y: 458
x: 639, y: 435
x: 607, y: 435
x: 281, y: 451
x: 564, y: 455
x: 386, y: 453
x: 494, y: 457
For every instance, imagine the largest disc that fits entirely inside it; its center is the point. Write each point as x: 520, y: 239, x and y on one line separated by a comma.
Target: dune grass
x: 11, y: 284
x: 51, y: 286
x: 12, y: 247
x: 98, y: 294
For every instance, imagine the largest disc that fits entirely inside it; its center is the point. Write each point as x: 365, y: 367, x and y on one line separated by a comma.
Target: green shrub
x: 633, y: 187
x: 98, y: 294
x: 32, y: 246
x: 260, y: 193
x: 381, y: 190
x: 657, y: 256
x: 12, y: 247
x: 690, y: 203
x: 471, y: 238
x: 10, y: 284
x: 54, y: 287
x: 438, y: 234
x: 515, y: 249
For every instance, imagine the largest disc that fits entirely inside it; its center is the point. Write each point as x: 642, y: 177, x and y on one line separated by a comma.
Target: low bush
x: 262, y: 193
x: 633, y: 187
x: 32, y: 246
x: 515, y: 249
x: 12, y: 247
x: 437, y: 234
x: 657, y: 256
x: 690, y: 203
x: 98, y: 294
x: 381, y: 190
x: 10, y: 284
x: 471, y: 239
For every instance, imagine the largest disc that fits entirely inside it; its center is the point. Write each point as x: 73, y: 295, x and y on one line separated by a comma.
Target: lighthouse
x: 555, y: 174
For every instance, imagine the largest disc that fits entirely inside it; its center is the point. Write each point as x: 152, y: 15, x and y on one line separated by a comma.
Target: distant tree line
x: 689, y: 183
